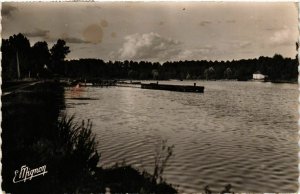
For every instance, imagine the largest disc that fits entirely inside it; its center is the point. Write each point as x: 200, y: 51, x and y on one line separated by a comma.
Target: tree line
x: 33, y: 61
x: 276, y: 67
x: 19, y: 57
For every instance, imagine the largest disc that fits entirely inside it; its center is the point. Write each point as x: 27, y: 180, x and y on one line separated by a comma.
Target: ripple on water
x: 240, y: 133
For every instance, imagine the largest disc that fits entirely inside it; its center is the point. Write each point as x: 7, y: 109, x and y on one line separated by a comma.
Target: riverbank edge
x: 24, y: 106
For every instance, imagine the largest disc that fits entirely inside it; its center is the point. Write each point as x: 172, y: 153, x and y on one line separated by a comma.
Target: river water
x: 238, y: 133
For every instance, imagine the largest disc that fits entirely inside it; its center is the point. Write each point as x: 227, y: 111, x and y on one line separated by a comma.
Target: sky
x: 158, y: 31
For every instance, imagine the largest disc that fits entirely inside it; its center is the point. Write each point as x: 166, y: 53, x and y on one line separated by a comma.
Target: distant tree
x: 40, y: 57
x: 20, y: 43
x: 8, y: 64
x: 16, y: 50
x: 59, y: 51
x: 155, y: 74
x: 21, y: 47
x: 132, y: 74
x: 278, y: 57
x: 209, y: 73
x: 228, y: 73
x: 277, y: 67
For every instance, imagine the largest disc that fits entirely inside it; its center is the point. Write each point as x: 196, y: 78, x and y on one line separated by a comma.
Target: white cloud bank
x: 281, y: 37
x: 156, y: 48
x: 150, y: 46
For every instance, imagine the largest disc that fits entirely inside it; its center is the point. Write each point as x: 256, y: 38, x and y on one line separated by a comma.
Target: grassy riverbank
x: 34, y: 133
x: 29, y: 116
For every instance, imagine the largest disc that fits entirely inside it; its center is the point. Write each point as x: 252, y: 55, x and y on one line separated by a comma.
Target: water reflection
x: 242, y: 133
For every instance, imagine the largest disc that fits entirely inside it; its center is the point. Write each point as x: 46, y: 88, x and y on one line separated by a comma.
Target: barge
x: 177, y: 88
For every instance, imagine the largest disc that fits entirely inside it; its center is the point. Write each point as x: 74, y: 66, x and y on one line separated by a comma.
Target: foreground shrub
x: 75, y: 153
x: 162, y: 157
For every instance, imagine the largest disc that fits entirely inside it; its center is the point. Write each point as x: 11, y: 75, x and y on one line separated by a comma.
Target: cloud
x: 196, y: 53
x: 7, y: 10
x: 37, y: 33
x: 93, y: 34
x: 205, y: 23
x: 71, y: 39
x: 272, y: 28
x: 45, y: 35
x: 244, y: 44
x: 281, y: 37
x: 153, y: 47
x: 150, y: 46
x: 75, y: 40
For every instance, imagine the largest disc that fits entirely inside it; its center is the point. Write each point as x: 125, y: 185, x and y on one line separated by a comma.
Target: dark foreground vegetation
x: 39, y: 61
x: 36, y: 133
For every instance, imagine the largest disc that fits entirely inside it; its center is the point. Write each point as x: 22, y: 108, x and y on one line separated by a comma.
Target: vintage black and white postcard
x: 149, y: 97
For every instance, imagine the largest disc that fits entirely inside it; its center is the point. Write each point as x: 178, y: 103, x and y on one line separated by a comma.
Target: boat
x: 177, y: 88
